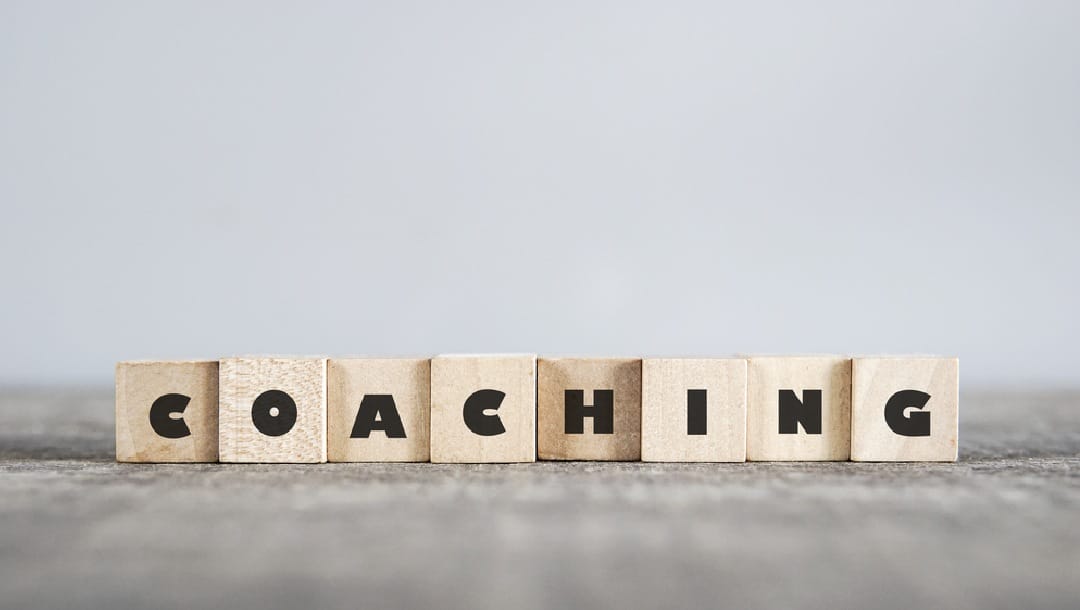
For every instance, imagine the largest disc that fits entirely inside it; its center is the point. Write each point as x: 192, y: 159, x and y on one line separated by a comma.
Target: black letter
x: 916, y: 424
x: 371, y: 407
x: 480, y: 422
x: 696, y: 413
x: 160, y: 416
x: 794, y: 412
x: 602, y: 412
x: 265, y: 418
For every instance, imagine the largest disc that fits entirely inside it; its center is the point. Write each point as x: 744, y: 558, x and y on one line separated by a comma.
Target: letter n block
x: 273, y: 410
x: 378, y: 410
x: 483, y: 409
x: 167, y: 411
x: 798, y: 408
x: 904, y: 409
x: 693, y: 410
x: 589, y: 409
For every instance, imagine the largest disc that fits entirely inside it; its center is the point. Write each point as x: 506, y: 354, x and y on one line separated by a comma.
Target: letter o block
x: 167, y: 411
x: 904, y: 409
x: 273, y: 410
x: 483, y: 409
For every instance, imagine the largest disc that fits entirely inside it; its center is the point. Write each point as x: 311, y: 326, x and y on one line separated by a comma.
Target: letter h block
x: 167, y: 411
x: 904, y: 409
x: 589, y: 409
x: 273, y: 410
x: 483, y: 409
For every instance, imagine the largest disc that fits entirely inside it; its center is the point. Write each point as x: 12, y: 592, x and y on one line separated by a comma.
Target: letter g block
x: 904, y: 409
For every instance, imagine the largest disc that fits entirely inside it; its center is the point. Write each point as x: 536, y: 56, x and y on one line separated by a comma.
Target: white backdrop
x: 184, y: 179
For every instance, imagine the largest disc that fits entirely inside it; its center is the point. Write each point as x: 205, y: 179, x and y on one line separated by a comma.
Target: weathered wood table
x: 999, y: 529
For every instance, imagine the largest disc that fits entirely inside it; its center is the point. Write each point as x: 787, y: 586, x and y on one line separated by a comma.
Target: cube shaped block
x: 798, y: 408
x: 483, y: 409
x: 589, y: 409
x: 273, y: 410
x: 378, y: 410
x: 167, y: 411
x: 905, y: 409
x: 693, y: 410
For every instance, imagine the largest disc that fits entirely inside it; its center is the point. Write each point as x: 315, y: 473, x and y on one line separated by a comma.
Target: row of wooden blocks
x: 518, y: 408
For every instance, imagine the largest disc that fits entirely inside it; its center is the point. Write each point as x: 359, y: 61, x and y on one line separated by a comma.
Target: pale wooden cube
x: 905, y: 409
x: 483, y: 409
x: 568, y: 387
x: 693, y: 410
x: 273, y: 410
x: 378, y: 410
x: 167, y: 411
x: 777, y: 387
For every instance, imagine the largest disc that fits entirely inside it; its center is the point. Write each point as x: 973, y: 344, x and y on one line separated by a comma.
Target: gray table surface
x: 999, y: 529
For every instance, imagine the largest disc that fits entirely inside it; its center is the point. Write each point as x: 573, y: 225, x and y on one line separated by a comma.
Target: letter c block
x: 483, y: 409
x: 167, y: 411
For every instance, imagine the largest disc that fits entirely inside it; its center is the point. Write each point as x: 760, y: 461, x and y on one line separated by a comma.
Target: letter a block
x: 273, y: 410
x: 904, y: 409
x: 167, y: 411
x: 589, y: 409
x: 798, y: 409
x: 483, y: 409
x: 693, y: 410
x: 378, y: 410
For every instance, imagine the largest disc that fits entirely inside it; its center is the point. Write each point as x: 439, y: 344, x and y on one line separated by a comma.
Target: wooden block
x: 904, y: 409
x: 693, y: 410
x: 589, y: 409
x: 167, y: 411
x: 273, y: 410
x: 483, y: 409
x: 798, y: 408
x: 378, y: 410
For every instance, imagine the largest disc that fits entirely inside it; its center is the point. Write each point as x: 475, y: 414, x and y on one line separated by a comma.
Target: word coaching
x: 520, y: 408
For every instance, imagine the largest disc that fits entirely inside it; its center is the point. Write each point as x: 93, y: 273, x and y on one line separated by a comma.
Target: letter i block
x: 798, y: 409
x: 693, y: 410
x: 167, y: 411
x: 904, y: 409
x: 589, y: 409
x: 483, y: 409
x: 273, y: 410
x: 378, y: 410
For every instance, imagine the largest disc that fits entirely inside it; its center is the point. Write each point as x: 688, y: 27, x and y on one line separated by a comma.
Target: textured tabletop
x: 999, y: 529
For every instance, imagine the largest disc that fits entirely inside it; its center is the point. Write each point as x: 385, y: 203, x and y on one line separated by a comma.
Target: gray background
x: 198, y: 179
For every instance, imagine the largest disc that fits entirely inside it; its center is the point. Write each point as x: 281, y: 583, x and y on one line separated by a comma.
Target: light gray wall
x: 203, y: 178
